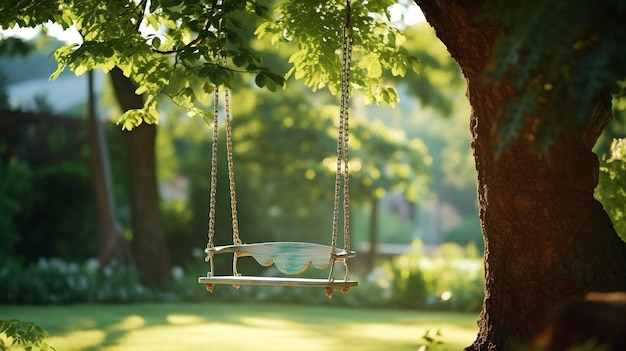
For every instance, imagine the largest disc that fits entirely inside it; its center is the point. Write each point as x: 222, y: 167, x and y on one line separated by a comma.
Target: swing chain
x: 231, y: 174
x: 342, y: 141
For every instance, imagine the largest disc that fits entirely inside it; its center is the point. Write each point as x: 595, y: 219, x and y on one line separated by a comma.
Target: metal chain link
x: 342, y: 140
x: 345, y: 95
x: 231, y: 173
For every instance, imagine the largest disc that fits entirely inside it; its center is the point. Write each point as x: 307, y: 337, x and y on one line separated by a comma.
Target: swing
x: 290, y: 258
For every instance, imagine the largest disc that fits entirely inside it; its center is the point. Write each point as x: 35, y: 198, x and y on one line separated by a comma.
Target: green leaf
x: 260, y: 80
x: 169, y: 23
x: 81, y: 69
x: 153, y: 21
x: 57, y: 72
x: 141, y: 89
x: 239, y: 60
x: 156, y: 43
x: 207, y: 117
x: 107, y: 52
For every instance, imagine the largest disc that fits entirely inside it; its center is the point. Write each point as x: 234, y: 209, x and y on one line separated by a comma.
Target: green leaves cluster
x: 610, y: 190
x: 386, y: 159
x: 317, y: 29
x: 563, y: 54
x: 183, y: 49
x: 31, y: 336
x: 179, y: 48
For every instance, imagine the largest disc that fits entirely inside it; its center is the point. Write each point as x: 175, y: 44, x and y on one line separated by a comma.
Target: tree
x: 546, y: 238
x: 536, y: 111
x: 149, y: 246
x: 111, y: 242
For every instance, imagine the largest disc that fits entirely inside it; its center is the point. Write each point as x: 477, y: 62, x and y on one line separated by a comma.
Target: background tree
x: 112, y: 245
x: 149, y: 246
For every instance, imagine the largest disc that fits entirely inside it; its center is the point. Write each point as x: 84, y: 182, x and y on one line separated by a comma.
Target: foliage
x: 436, y: 79
x: 54, y: 196
x: 466, y: 232
x: 10, y: 46
x: 15, y: 186
x: 563, y: 55
x: 449, y: 279
x: 14, y: 46
x: 177, y: 48
x: 407, y: 282
x: 454, y: 277
x: 431, y: 342
x: 59, y: 201
x: 57, y: 281
x: 445, y: 281
x: 610, y: 190
x: 31, y: 336
x: 282, y: 144
x: 378, y: 45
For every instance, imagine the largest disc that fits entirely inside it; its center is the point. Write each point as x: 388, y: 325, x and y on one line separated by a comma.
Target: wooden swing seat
x: 289, y: 258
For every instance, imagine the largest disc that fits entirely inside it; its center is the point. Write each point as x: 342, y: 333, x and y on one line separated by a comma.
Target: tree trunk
x: 547, y: 239
x: 149, y: 246
x: 111, y: 242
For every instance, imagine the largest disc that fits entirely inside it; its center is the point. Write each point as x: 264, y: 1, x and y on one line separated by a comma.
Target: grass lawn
x: 225, y: 327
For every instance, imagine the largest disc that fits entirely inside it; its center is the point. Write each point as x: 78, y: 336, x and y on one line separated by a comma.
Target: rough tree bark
x: 546, y: 238
x: 149, y: 246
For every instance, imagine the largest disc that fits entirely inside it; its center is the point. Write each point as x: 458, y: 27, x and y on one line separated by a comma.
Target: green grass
x: 224, y: 327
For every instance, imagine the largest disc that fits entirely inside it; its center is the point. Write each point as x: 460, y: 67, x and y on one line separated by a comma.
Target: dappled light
x: 245, y: 326
x: 129, y: 323
x: 79, y: 340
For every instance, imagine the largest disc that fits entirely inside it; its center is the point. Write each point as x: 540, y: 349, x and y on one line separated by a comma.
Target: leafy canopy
x: 183, y: 49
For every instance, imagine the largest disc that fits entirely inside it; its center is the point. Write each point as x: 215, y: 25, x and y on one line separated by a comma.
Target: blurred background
x: 66, y: 218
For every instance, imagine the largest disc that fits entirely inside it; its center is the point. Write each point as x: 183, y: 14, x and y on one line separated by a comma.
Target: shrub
x: 455, y: 278
x: 61, y: 222
x: 15, y: 185
x: 407, y: 285
x: 56, y: 281
x: 46, y: 212
x: 29, y: 335
x: 466, y: 232
x: 610, y: 190
x: 451, y: 278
